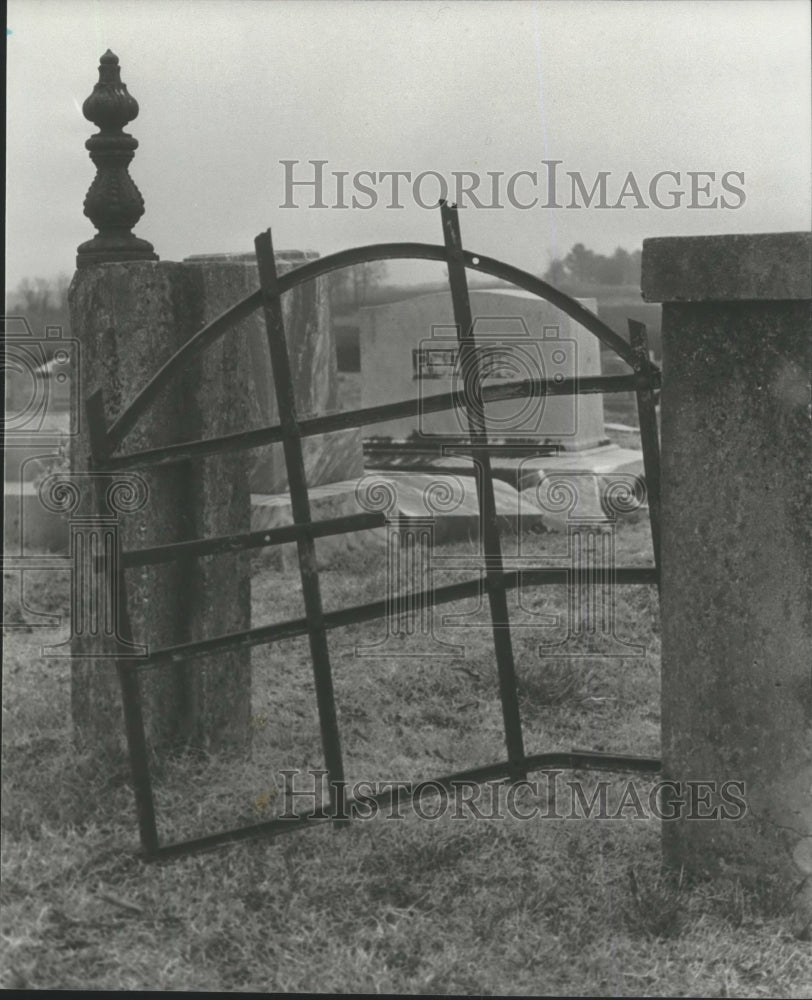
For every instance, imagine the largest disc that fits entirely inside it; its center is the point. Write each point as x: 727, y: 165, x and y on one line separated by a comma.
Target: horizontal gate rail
x: 252, y: 539
x: 294, y: 628
x: 564, y: 760
x: 309, y: 427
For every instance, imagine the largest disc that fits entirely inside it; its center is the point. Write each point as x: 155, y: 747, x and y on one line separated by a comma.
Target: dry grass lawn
x: 470, y: 906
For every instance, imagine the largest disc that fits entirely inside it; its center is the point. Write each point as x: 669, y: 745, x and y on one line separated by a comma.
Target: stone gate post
x: 130, y: 312
x: 736, y: 567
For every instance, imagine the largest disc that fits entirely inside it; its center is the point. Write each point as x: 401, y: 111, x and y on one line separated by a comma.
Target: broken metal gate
x: 643, y: 380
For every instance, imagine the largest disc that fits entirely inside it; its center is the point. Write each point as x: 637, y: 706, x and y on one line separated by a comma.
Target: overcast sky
x: 228, y: 89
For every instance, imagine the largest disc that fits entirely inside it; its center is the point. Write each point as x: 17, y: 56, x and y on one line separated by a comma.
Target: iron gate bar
x: 139, y: 758
x: 649, y: 437
x: 295, y: 628
x: 253, y: 539
x: 132, y: 708
x: 300, y: 508
x: 556, y: 760
x: 345, y: 419
x: 116, y: 433
x: 100, y: 447
x: 475, y: 412
x: 129, y: 681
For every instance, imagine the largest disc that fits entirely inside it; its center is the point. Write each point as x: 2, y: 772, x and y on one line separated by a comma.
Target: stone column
x: 736, y: 470
x: 130, y: 313
x: 129, y: 319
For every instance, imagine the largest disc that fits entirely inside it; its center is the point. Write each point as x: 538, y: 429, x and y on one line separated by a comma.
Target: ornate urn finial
x: 113, y: 204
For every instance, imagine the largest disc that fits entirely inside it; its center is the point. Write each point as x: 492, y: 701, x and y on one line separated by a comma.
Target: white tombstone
x: 409, y: 350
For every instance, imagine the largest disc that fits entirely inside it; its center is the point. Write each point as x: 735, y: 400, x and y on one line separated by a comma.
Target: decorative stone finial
x: 113, y: 204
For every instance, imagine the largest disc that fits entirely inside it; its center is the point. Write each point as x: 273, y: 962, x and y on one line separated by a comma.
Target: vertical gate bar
x: 129, y: 681
x: 475, y: 412
x: 300, y: 507
x: 649, y: 438
x: 97, y: 429
x: 139, y: 759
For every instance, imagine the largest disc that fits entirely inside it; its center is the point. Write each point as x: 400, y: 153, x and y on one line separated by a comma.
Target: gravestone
x: 38, y: 424
x: 226, y: 279
x: 409, y: 349
x: 448, y: 502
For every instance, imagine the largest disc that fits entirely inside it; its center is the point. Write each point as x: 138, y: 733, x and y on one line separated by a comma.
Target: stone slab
x: 585, y: 477
x: 595, y: 461
x: 449, y: 501
x: 523, y: 472
x: 773, y: 266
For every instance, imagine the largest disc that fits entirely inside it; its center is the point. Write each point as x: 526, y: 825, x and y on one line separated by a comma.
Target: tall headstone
x: 227, y: 278
x: 409, y: 349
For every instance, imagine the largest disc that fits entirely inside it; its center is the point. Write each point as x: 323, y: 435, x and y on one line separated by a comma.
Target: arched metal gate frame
x: 643, y: 380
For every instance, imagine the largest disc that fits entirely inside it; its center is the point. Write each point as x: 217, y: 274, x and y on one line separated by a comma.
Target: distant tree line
x: 585, y: 267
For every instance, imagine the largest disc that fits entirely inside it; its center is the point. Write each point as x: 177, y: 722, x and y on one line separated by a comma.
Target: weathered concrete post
x: 736, y: 547
x: 338, y: 455
x: 130, y: 313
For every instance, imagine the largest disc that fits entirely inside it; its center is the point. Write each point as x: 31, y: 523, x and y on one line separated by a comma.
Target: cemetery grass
x: 466, y: 906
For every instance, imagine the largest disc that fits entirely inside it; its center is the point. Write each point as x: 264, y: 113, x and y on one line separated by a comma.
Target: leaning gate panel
x: 497, y: 579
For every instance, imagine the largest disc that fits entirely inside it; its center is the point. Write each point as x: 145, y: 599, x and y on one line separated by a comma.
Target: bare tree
x: 42, y: 302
